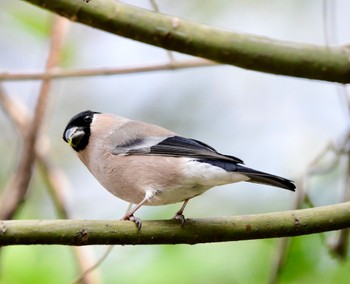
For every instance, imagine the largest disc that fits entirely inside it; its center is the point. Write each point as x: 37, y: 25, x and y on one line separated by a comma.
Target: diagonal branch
x: 17, y: 187
x: 270, y: 225
x: 243, y: 50
x: 53, y: 177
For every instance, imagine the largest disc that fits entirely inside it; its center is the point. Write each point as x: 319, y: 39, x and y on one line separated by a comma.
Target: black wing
x: 174, y: 146
x: 177, y: 146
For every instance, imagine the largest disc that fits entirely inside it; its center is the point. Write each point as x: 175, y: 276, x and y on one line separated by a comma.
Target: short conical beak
x: 73, y: 136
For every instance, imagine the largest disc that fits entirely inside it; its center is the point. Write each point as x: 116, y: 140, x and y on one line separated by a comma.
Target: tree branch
x: 242, y: 50
x: 246, y: 227
x: 58, y: 73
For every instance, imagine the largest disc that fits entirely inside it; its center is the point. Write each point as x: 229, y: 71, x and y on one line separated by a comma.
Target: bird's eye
x: 88, y: 119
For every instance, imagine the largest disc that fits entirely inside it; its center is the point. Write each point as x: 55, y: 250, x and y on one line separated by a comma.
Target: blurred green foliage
x: 29, y: 264
x: 237, y: 262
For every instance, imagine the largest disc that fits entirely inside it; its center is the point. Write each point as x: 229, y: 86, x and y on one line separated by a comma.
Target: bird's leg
x: 130, y: 215
x: 179, y: 214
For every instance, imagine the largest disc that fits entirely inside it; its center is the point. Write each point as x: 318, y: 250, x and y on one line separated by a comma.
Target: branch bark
x: 242, y: 50
x: 246, y: 227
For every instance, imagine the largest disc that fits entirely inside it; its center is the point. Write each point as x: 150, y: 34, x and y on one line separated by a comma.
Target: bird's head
x: 78, y: 130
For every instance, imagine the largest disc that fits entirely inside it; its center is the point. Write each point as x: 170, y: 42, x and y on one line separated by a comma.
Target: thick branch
x: 246, y: 51
x: 271, y: 225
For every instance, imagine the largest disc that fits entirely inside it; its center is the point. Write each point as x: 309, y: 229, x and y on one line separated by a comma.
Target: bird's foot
x: 181, y: 217
x: 132, y: 218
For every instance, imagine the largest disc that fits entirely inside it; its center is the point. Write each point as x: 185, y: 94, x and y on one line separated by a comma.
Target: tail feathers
x: 265, y: 178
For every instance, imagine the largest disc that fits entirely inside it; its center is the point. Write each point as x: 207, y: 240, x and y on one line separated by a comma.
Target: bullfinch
x: 149, y: 165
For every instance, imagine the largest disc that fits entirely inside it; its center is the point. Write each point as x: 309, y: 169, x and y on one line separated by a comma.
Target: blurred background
x: 276, y: 124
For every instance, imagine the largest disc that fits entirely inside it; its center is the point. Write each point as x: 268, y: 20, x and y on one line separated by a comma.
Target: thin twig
x: 329, y: 24
x: 279, y: 259
x: 283, y: 244
x: 86, y: 261
x: 339, y: 247
x: 54, y: 178
x: 94, y: 266
x: 17, y: 187
x: 59, y: 73
x: 16, y: 111
x: 98, y: 263
x: 156, y: 9
x: 338, y: 148
x: 154, y: 5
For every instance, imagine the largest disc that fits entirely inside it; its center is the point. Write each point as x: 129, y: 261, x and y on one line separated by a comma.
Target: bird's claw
x: 134, y: 219
x: 181, y: 217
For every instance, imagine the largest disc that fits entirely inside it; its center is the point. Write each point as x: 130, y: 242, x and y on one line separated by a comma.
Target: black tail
x: 255, y: 176
x: 265, y: 178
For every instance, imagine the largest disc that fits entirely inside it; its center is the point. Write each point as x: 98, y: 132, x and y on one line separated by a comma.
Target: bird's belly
x: 166, y: 180
x: 176, y: 194
x: 208, y: 175
x: 160, y: 195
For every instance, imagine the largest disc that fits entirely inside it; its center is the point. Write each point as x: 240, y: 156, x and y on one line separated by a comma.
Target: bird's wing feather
x: 173, y: 146
x: 176, y: 146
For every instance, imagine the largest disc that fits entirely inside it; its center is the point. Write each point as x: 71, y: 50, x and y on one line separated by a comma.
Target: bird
x: 146, y: 164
